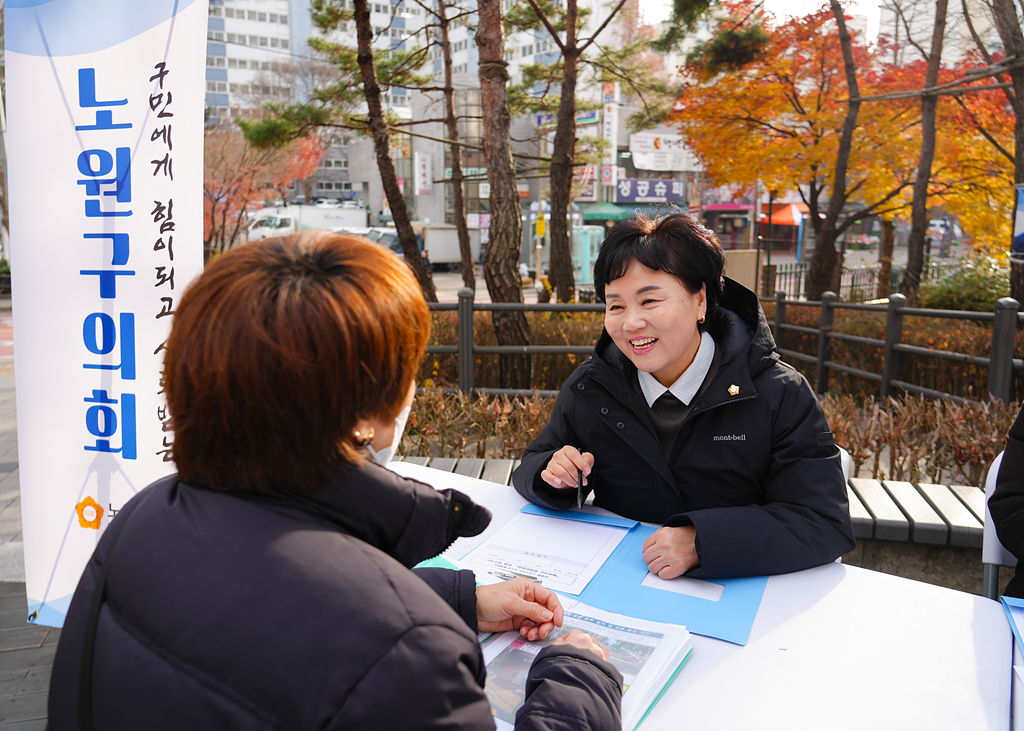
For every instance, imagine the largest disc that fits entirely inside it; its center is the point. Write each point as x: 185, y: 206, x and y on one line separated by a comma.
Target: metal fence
x: 1001, y: 364
x: 858, y: 284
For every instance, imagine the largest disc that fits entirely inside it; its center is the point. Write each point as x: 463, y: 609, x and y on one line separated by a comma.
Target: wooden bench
x: 940, y: 515
x: 887, y: 510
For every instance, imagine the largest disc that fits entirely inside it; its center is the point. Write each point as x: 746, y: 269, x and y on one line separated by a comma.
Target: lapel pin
x: 734, y: 389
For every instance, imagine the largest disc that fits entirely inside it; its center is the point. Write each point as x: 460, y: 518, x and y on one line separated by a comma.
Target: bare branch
x: 604, y: 25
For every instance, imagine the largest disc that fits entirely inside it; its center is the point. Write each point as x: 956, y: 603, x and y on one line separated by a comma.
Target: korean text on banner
x: 105, y: 105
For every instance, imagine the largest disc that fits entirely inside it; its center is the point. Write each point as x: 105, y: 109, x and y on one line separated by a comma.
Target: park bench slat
x: 964, y: 529
x: 863, y: 523
x: 973, y: 498
x: 498, y: 470
x: 890, y: 523
x: 445, y: 464
x: 926, y: 526
x: 470, y: 467
x: 421, y: 461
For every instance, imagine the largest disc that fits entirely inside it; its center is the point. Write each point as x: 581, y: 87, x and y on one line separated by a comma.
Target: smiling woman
x: 686, y: 416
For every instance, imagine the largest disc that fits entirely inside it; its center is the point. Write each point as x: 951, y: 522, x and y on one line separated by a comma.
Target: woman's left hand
x: 518, y: 604
x: 671, y: 552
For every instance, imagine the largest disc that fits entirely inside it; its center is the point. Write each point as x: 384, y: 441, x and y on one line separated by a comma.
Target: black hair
x: 674, y: 243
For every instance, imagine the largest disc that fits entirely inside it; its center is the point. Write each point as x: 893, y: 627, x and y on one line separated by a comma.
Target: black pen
x: 579, y: 484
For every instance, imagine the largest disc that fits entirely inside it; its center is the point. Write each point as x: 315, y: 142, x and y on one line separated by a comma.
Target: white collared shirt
x: 687, y: 385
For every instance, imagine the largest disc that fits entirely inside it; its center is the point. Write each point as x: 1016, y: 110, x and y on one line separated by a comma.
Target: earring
x: 700, y: 320
x: 362, y: 441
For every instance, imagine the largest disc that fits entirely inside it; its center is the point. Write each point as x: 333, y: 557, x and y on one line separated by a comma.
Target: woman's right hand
x: 580, y: 639
x: 564, y: 466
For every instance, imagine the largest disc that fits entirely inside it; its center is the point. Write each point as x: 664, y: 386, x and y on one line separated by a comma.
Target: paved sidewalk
x: 12, y: 567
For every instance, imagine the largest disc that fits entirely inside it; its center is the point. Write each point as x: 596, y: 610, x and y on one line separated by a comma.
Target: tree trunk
x: 560, y: 267
x: 1010, y: 33
x: 919, y: 207
x: 382, y: 146
x: 307, y: 190
x: 819, y: 274
x: 885, y: 258
x: 501, y: 263
x: 459, y: 199
x: 1005, y: 16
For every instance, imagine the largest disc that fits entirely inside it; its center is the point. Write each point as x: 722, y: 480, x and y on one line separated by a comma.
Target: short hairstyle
x: 674, y: 243
x: 279, y: 348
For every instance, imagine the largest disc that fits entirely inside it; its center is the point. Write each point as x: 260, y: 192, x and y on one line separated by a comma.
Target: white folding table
x: 834, y: 647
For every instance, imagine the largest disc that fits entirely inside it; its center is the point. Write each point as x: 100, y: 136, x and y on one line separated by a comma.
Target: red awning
x: 784, y: 214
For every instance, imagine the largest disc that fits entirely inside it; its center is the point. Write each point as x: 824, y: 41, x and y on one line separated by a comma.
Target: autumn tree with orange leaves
x: 238, y: 176
x: 778, y: 121
x: 979, y: 146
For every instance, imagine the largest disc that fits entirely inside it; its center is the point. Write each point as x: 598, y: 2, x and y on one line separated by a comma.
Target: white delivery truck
x: 289, y: 219
x: 442, y: 244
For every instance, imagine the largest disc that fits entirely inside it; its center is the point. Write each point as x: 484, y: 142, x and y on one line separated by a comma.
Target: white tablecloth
x: 834, y: 647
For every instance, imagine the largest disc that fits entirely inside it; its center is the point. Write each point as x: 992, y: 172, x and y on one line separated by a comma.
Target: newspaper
x: 646, y: 653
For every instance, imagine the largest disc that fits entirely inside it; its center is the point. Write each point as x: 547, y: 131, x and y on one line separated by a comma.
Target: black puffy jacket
x: 1007, y: 502
x: 224, y: 612
x: 754, y: 467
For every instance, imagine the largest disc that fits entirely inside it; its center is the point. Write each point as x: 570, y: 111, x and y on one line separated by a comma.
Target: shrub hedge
x: 913, y: 439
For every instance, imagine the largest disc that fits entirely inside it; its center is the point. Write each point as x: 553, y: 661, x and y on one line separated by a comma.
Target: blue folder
x: 616, y: 587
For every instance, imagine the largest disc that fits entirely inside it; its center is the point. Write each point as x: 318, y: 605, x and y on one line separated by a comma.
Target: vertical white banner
x: 610, y: 132
x: 105, y: 112
x: 424, y: 176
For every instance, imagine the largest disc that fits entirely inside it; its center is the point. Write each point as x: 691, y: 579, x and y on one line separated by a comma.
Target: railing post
x: 824, y: 341
x: 465, y: 313
x: 780, y: 315
x: 1004, y: 330
x: 893, y: 335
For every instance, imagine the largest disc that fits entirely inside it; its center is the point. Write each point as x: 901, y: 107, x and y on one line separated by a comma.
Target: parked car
x: 328, y: 203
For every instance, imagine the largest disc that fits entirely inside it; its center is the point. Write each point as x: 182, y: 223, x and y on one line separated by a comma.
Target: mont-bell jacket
x: 300, y: 612
x: 753, y: 468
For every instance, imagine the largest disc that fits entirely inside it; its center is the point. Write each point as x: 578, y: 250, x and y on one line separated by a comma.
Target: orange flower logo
x: 89, y: 513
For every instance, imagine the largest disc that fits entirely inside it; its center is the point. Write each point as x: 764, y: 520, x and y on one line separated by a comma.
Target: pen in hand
x: 579, y: 486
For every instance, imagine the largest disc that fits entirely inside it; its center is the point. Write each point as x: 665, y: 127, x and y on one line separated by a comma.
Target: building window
x: 264, y: 42
x: 252, y: 15
x: 273, y: 17
x: 209, y: 61
x: 283, y: 19
x: 232, y: 63
x: 215, y: 11
x: 211, y: 86
x: 231, y: 37
x: 220, y: 61
x: 222, y: 86
x: 254, y: 40
x: 233, y: 88
x: 275, y: 43
x: 262, y: 17
x: 244, y: 88
x: 284, y: 43
x: 229, y: 12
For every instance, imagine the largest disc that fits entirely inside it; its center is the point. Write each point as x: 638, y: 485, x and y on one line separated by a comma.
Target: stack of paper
x: 648, y: 654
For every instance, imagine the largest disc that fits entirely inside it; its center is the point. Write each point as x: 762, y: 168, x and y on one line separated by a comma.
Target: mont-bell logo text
x: 729, y: 438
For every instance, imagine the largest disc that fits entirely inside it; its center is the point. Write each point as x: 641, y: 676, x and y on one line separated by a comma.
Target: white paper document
x: 699, y: 588
x: 563, y: 555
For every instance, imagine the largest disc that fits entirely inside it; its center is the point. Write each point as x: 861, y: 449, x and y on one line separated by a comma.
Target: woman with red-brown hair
x: 267, y: 584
